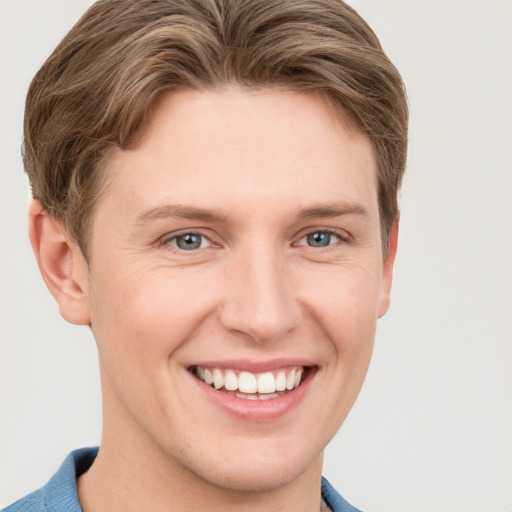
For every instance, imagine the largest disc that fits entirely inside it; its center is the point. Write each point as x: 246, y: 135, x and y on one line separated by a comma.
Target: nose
x: 260, y: 300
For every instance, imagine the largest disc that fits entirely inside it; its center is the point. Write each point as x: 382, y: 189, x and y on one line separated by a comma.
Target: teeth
x: 255, y: 396
x: 268, y: 397
x: 263, y: 386
x: 290, y: 380
x: 298, y: 377
x: 218, y: 379
x: 247, y: 383
x: 208, y: 377
x: 230, y: 381
x: 281, y: 381
x: 266, y: 383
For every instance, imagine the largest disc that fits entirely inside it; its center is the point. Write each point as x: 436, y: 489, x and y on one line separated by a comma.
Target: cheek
x: 148, y: 314
x: 346, y: 300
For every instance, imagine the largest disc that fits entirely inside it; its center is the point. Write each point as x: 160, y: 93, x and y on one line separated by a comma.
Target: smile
x: 251, y: 386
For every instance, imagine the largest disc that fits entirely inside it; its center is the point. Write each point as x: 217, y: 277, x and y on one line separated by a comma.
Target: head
x: 98, y: 88
x: 217, y: 184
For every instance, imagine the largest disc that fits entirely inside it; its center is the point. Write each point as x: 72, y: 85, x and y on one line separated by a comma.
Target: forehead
x: 235, y: 147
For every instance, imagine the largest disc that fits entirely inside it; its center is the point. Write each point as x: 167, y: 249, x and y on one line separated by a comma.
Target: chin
x: 253, y: 477
x: 254, y: 470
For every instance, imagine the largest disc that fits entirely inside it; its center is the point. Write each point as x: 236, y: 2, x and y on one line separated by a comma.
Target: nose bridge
x: 260, y: 302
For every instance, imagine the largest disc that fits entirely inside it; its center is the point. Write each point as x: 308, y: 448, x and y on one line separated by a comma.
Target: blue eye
x: 189, y: 241
x: 321, y: 239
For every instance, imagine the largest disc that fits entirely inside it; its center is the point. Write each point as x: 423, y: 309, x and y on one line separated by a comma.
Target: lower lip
x: 257, y: 410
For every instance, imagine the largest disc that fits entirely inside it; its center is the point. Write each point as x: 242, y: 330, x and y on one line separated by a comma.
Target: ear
x: 387, y: 270
x: 61, y: 263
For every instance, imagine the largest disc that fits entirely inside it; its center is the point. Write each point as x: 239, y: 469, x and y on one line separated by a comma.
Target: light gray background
x: 432, y: 429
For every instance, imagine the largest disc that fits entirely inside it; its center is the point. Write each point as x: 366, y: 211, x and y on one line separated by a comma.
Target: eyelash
x: 168, y: 240
x: 333, y: 233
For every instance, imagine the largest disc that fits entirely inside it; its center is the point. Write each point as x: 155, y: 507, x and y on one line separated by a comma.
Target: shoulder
x: 335, y: 501
x: 59, y: 494
x: 34, y: 502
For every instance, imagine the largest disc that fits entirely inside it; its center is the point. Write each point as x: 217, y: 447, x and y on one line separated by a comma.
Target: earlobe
x: 387, y: 270
x: 61, y: 263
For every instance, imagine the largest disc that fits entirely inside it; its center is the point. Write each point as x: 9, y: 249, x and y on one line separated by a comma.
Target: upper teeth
x: 247, y: 382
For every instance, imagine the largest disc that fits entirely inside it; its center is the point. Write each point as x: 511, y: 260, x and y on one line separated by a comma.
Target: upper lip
x: 254, y: 366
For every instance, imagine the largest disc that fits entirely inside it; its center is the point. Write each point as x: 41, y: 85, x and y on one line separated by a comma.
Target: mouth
x: 252, y: 386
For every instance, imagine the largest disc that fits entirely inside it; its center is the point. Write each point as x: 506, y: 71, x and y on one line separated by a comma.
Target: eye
x: 320, y: 239
x: 188, y: 241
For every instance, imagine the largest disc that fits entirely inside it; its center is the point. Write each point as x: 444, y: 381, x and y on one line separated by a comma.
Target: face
x: 235, y: 278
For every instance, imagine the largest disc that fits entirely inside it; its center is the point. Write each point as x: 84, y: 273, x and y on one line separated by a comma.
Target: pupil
x: 189, y: 242
x: 319, y: 239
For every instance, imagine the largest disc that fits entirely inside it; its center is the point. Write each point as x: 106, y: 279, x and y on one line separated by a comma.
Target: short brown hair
x: 98, y: 86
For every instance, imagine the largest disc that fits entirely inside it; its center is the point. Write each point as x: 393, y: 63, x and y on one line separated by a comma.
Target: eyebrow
x: 336, y: 209
x: 178, y: 211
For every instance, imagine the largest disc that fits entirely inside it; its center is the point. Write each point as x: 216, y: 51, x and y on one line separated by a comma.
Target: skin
x: 266, y: 169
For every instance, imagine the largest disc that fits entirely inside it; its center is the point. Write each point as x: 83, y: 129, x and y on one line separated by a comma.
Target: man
x: 215, y: 195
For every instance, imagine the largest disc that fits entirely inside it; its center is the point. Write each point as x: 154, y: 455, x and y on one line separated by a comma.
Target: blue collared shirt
x: 60, y: 495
